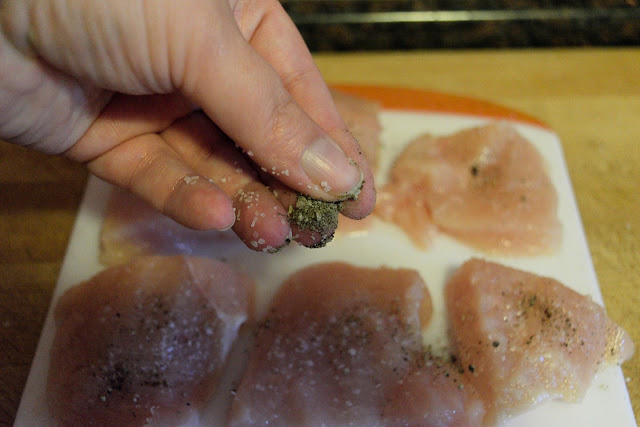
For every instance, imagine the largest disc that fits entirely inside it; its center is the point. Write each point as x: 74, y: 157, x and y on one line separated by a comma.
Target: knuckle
x: 151, y: 165
x: 299, y: 78
x: 283, y: 123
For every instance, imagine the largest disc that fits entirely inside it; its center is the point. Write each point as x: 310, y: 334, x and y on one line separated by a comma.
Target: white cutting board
x: 607, y: 401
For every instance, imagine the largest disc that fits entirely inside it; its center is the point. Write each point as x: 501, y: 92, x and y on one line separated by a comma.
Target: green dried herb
x: 314, y: 215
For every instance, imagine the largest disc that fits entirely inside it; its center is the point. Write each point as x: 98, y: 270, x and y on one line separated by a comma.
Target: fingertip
x: 326, y: 165
x: 261, y: 221
x: 147, y: 167
x: 362, y: 205
x: 200, y: 205
x: 310, y: 238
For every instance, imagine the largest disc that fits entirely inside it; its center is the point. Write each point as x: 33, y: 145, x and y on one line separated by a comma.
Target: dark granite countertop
x: 421, y: 24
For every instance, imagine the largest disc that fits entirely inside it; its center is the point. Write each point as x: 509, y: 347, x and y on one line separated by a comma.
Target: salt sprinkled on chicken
x: 156, y: 350
x: 525, y: 338
x: 335, y: 339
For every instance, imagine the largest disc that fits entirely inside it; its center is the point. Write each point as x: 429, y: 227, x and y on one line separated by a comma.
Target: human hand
x: 151, y: 94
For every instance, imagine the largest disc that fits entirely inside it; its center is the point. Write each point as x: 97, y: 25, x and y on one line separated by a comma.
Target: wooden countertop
x: 591, y: 97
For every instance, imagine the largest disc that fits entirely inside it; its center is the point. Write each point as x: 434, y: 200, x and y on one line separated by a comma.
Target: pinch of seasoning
x: 314, y: 215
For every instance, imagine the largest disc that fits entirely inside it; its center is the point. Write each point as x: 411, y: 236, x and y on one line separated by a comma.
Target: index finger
x: 246, y: 98
x: 274, y: 36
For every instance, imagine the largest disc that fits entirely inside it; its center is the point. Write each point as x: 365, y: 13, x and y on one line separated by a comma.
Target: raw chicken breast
x: 526, y: 338
x: 133, y: 228
x: 435, y: 394
x: 336, y: 340
x: 485, y: 186
x: 146, y: 342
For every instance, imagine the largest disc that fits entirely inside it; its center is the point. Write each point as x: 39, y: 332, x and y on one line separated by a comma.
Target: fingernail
x: 327, y: 166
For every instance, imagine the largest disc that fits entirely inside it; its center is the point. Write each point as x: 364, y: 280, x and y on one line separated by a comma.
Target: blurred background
x: 335, y: 25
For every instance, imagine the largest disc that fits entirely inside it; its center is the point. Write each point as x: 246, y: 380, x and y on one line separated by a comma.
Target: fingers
x: 193, y: 173
x: 261, y: 221
x: 267, y: 217
x: 146, y: 166
x: 195, y: 46
x: 235, y: 85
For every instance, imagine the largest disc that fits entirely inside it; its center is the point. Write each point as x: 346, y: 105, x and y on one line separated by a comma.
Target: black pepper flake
x: 472, y: 368
x: 495, y: 343
x: 474, y: 170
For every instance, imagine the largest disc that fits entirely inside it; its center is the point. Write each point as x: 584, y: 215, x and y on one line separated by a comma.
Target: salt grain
x: 190, y: 180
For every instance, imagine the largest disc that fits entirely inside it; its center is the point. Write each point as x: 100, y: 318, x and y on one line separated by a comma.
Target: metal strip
x: 465, y: 16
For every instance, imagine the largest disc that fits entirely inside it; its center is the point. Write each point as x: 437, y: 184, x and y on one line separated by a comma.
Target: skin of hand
x: 185, y: 103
